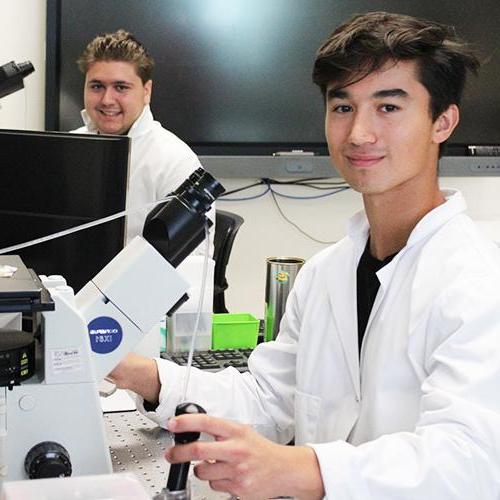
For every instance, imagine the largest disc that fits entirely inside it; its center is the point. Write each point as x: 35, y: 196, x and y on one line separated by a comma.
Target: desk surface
x: 137, y: 445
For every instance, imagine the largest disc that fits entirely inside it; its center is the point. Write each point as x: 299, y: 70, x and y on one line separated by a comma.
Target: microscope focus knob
x: 47, y: 459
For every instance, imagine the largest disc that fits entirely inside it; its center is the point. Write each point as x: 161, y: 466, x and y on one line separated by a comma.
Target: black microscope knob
x: 189, y: 409
x: 47, y: 459
x: 178, y: 474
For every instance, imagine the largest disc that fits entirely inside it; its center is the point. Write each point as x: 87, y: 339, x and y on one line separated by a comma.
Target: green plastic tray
x: 234, y: 331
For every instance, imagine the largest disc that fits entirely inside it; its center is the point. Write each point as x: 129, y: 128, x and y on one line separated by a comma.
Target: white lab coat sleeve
x: 226, y: 394
x: 454, y: 451
x: 262, y: 398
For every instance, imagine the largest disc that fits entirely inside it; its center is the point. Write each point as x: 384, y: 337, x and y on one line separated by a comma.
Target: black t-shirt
x: 367, y: 287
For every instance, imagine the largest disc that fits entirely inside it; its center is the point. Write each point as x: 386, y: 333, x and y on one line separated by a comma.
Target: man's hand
x: 243, y: 463
x: 138, y: 374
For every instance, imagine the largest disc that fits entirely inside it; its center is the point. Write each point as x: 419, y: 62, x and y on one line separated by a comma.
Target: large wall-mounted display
x: 234, y: 76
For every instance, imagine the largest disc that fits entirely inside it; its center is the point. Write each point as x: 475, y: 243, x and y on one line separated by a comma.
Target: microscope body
x: 59, y: 404
x: 51, y: 421
x: 82, y: 340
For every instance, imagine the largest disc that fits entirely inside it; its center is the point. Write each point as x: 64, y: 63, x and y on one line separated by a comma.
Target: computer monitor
x: 52, y: 181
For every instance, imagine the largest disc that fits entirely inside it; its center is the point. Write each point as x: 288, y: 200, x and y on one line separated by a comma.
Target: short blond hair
x: 118, y: 46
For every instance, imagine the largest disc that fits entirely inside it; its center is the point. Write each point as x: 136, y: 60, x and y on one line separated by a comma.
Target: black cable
x: 295, y: 225
x: 307, y: 182
x: 311, y: 182
x: 316, y: 197
x: 326, y: 186
x: 237, y: 190
x: 260, y: 195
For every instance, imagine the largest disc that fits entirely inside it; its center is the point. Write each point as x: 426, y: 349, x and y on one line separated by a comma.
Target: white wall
x: 264, y: 233
x: 22, y: 36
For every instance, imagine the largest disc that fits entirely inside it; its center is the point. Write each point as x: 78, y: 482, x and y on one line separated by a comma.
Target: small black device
x: 12, y: 76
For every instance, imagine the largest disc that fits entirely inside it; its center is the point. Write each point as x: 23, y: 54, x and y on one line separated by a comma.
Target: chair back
x: 227, y: 225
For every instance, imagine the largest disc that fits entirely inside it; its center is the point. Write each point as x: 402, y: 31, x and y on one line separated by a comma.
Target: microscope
x: 50, y: 414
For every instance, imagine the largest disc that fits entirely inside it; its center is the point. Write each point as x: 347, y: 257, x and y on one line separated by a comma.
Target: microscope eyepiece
x: 12, y: 75
x: 177, y: 227
x: 199, y: 191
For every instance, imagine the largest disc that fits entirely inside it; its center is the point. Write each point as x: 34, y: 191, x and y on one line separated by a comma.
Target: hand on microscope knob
x: 243, y: 463
x: 178, y: 474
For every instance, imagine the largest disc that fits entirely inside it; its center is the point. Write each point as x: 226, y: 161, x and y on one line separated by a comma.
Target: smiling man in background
x: 118, y: 84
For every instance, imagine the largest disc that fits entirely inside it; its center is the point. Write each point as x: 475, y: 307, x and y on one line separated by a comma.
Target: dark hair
x: 367, y: 41
x: 118, y: 46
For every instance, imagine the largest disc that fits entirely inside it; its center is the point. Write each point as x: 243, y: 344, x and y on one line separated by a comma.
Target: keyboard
x: 213, y: 360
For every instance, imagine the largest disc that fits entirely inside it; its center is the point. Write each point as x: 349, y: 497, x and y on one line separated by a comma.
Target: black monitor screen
x: 52, y: 181
x: 236, y: 73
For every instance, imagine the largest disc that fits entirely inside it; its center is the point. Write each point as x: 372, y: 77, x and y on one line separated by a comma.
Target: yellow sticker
x: 282, y: 277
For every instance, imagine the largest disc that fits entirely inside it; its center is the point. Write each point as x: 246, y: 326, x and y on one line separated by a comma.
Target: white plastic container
x: 180, y: 326
x: 123, y: 486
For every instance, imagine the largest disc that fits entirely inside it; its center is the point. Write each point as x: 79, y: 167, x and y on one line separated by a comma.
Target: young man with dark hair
x: 387, y: 363
x: 118, y: 84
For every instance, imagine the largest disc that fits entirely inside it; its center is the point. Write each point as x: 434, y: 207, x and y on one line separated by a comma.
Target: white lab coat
x: 159, y: 163
x: 420, y: 418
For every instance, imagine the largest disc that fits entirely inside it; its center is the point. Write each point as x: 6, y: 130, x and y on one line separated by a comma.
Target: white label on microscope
x: 67, y: 360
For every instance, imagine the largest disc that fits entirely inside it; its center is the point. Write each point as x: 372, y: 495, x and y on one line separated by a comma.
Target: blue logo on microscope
x: 105, y: 334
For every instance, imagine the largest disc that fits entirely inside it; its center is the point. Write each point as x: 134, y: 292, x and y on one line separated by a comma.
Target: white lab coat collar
x: 454, y: 205
x: 142, y: 124
x: 358, y: 229
x: 139, y: 127
x: 88, y: 122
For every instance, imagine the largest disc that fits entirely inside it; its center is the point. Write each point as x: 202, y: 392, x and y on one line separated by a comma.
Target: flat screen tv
x: 234, y: 76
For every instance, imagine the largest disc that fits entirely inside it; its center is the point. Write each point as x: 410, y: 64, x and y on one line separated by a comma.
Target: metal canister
x: 280, y: 276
